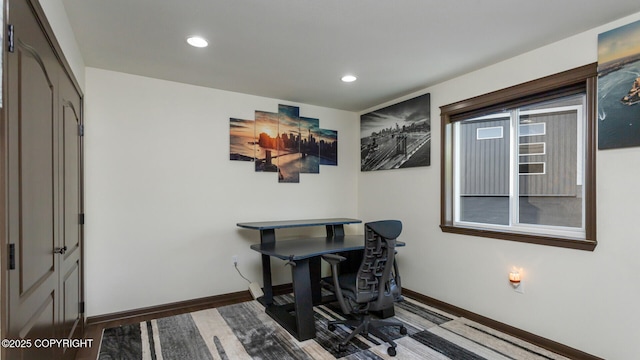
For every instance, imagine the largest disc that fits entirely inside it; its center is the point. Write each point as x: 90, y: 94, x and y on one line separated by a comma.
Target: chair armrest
x: 334, y: 260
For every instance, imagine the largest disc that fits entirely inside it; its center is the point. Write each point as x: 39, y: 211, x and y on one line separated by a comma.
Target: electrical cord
x: 235, y: 264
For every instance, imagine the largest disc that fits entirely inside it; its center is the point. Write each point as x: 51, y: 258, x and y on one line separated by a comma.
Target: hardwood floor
x: 93, y: 332
x: 96, y: 325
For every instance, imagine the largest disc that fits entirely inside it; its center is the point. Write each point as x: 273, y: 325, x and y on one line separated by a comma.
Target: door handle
x: 61, y: 250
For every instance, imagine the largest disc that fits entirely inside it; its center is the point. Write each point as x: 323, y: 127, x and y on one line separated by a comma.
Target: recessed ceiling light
x: 349, y: 78
x: 197, y: 41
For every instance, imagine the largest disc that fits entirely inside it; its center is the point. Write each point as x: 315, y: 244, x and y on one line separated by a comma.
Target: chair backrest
x: 377, y: 264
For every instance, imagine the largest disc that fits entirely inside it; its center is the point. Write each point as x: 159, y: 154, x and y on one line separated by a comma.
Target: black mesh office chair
x: 372, y: 287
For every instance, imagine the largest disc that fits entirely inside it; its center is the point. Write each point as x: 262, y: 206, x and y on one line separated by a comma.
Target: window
x: 531, y: 169
x: 533, y: 129
x: 519, y: 164
x: 532, y: 149
x: 494, y: 132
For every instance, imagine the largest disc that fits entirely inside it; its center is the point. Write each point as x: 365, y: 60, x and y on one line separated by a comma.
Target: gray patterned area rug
x: 244, y: 331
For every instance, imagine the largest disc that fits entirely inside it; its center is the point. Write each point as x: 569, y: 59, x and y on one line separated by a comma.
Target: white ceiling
x: 297, y: 50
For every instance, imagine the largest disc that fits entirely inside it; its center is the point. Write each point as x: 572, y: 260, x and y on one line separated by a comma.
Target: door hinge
x: 12, y: 256
x: 81, y: 129
x: 81, y: 219
x: 81, y: 307
x: 10, y: 47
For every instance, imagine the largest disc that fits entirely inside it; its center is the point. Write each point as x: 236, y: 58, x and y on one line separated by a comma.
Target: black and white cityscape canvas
x: 397, y: 136
x: 619, y: 87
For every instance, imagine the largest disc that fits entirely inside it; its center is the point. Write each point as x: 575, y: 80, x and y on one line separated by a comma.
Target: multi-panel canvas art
x: 397, y: 136
x: 619, y: 87
x: 284, y: 143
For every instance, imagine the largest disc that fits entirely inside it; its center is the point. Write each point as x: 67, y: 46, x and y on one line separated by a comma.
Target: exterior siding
x: 486, y: 162
x: 560, y: 158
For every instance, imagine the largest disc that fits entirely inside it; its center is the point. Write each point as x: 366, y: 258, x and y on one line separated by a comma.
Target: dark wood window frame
x: 581, y: 79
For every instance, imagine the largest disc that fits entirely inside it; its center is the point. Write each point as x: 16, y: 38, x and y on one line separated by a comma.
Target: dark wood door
x: 43, y: 180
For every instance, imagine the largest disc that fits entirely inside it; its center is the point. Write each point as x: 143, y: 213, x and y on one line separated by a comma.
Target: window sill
x: 588, y: 245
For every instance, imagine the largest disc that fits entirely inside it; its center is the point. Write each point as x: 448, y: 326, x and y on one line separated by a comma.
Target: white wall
x: 586, y: 300
x: 163, y: 198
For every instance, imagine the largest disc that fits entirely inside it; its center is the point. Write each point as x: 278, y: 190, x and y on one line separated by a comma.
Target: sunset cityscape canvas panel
x: 266, y: 134
x: 310, y: 148
x: 328, y: 147
x: 242, y: 145
x: 288, y: 142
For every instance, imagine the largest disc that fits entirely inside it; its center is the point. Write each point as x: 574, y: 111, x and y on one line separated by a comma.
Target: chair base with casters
x: 372, y: 288
x: 367, y: 325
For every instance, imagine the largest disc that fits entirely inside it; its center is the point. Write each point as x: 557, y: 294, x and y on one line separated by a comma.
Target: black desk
x: 306, y: 273
x: 334, y: 226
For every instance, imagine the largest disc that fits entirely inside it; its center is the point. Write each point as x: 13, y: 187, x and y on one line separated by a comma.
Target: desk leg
x: 267, y: 236
x: 352, y: 264
x: 315, y: 272
x: 335, y: 230
x: 305, y: 323
x: 267, y: 298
